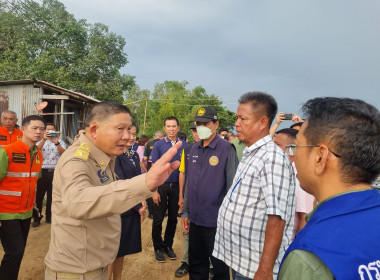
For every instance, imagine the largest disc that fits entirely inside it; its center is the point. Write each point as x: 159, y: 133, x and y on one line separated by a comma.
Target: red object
x: 41, y: 106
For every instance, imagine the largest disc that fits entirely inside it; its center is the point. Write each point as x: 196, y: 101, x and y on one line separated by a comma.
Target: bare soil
x: 138, y: 266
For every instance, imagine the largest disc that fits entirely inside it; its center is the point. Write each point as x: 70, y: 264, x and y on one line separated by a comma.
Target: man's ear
x: 321, y: 159
x: 93, y: 130
x: 264, y: 121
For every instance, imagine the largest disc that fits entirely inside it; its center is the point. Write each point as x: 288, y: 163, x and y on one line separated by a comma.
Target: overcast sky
x: 293, y: 49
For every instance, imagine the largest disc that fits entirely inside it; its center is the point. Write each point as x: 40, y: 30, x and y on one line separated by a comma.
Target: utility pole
x: 146, y: 105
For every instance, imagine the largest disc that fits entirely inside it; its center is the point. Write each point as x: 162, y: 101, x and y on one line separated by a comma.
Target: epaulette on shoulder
x: 82, y: 151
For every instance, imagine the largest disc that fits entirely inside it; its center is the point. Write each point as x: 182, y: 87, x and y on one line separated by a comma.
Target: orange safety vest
x: 7, y: 138
x: 18, y: 187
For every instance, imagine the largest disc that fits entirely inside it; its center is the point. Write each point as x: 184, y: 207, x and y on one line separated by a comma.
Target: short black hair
x: 50, y: 123
x: 182, y: 136
x: 262, y: 103
x: 290, y: 132
x: 26, y: 121
x: 102, y: 110
x: 223, y: 129
x: 296, y: 124
x: 143, y: 139
x: 352, y: 129
x: 171, y: 118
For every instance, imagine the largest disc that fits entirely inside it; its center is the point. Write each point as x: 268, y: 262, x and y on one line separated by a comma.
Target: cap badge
x: 201, y: 112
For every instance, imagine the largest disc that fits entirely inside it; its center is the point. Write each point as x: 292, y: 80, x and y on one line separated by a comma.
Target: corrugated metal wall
x: 21, y: 99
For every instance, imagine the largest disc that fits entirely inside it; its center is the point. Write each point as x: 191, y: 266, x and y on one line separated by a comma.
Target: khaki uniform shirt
x: 87, y: 203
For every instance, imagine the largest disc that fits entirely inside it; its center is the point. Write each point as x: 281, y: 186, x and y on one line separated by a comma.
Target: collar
x: 167, y: 140
x: 350, y: 200
x: 26, y: 147
x: 211, y: 145
x: 261, y: 142
x: 97, y: 154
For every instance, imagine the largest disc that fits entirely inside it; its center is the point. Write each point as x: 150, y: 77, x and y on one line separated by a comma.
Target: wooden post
x: 61, y: 117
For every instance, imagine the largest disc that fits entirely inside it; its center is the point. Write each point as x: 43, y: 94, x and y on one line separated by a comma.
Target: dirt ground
x: 138, y: 266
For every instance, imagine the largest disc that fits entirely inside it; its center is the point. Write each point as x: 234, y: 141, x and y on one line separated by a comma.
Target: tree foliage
x: 44, y: 41
x: 172, y: 98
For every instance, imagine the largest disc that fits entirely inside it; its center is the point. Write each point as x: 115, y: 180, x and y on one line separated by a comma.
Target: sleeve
x: 185, y: 209
x: 304, y: 200
x: 182, y: 165
x: 277, y: 182
x: 83, y: 199
x: 231, y: 167
x: 4, y: 163
x: 299, y: 265
x: 62, y: 144
x: 139, y: 159
x: 146, y: 150
x: 155, y: 152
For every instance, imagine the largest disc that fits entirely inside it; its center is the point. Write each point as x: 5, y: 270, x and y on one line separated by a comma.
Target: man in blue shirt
x: 337, y: 156
x: 166, y: 196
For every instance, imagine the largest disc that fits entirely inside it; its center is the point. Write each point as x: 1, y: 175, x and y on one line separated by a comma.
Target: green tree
x: 172, y: 98
x: 44, y: 41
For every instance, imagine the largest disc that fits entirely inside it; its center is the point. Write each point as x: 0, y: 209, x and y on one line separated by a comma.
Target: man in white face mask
x: 211, y: 167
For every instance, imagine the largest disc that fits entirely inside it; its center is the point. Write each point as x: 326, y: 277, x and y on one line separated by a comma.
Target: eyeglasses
x: 292, y: 148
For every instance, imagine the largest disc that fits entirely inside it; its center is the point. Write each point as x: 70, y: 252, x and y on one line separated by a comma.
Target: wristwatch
x: 57, y: 144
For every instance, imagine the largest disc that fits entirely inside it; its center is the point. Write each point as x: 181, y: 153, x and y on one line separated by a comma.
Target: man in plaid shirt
x: 255, y: 221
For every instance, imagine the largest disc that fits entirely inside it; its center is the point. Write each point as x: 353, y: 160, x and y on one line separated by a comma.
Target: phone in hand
x: 288, y: 116
x: 52, y: 133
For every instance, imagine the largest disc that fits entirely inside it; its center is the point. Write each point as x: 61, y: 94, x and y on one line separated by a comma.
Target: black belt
x: 48, y: 169
x: 171, y: 184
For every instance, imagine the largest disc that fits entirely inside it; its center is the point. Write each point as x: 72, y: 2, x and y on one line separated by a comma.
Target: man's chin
x: 115, y: 152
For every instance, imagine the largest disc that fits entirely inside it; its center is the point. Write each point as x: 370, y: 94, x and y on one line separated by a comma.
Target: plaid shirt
x: 264, y: 185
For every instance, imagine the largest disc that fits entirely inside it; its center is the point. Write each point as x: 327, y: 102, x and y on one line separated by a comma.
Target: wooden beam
x: 51, y: 114
x: 55, y: 96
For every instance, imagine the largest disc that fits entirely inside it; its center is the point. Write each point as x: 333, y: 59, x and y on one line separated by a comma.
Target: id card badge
x: 103, y: 177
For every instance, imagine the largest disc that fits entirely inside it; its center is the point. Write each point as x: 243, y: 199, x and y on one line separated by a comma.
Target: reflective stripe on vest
x: 10, y: 193
x: 22, y: 174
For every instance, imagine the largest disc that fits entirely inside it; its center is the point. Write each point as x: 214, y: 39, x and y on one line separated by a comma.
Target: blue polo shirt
x: 160, y: 148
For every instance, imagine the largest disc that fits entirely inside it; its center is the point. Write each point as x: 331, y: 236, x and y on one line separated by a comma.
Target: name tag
x: 18, y: 157
x: 3, y: 138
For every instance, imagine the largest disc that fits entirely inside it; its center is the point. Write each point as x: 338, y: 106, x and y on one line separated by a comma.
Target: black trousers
x: 201, y: 245
x: 13, y: 235
x: 45, y: 185
x: 149, y: 203
x: 169, y: 201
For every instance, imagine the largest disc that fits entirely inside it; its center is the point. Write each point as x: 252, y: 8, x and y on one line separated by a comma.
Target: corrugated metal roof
x: 44, y: 84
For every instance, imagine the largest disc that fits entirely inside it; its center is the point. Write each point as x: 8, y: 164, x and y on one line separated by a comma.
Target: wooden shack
x: 65, y: 108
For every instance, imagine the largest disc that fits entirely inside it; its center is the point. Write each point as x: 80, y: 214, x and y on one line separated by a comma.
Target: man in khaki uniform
x: 88, y: 199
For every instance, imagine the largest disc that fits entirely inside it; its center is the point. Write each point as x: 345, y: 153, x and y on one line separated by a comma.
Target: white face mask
x: 204, y: 132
